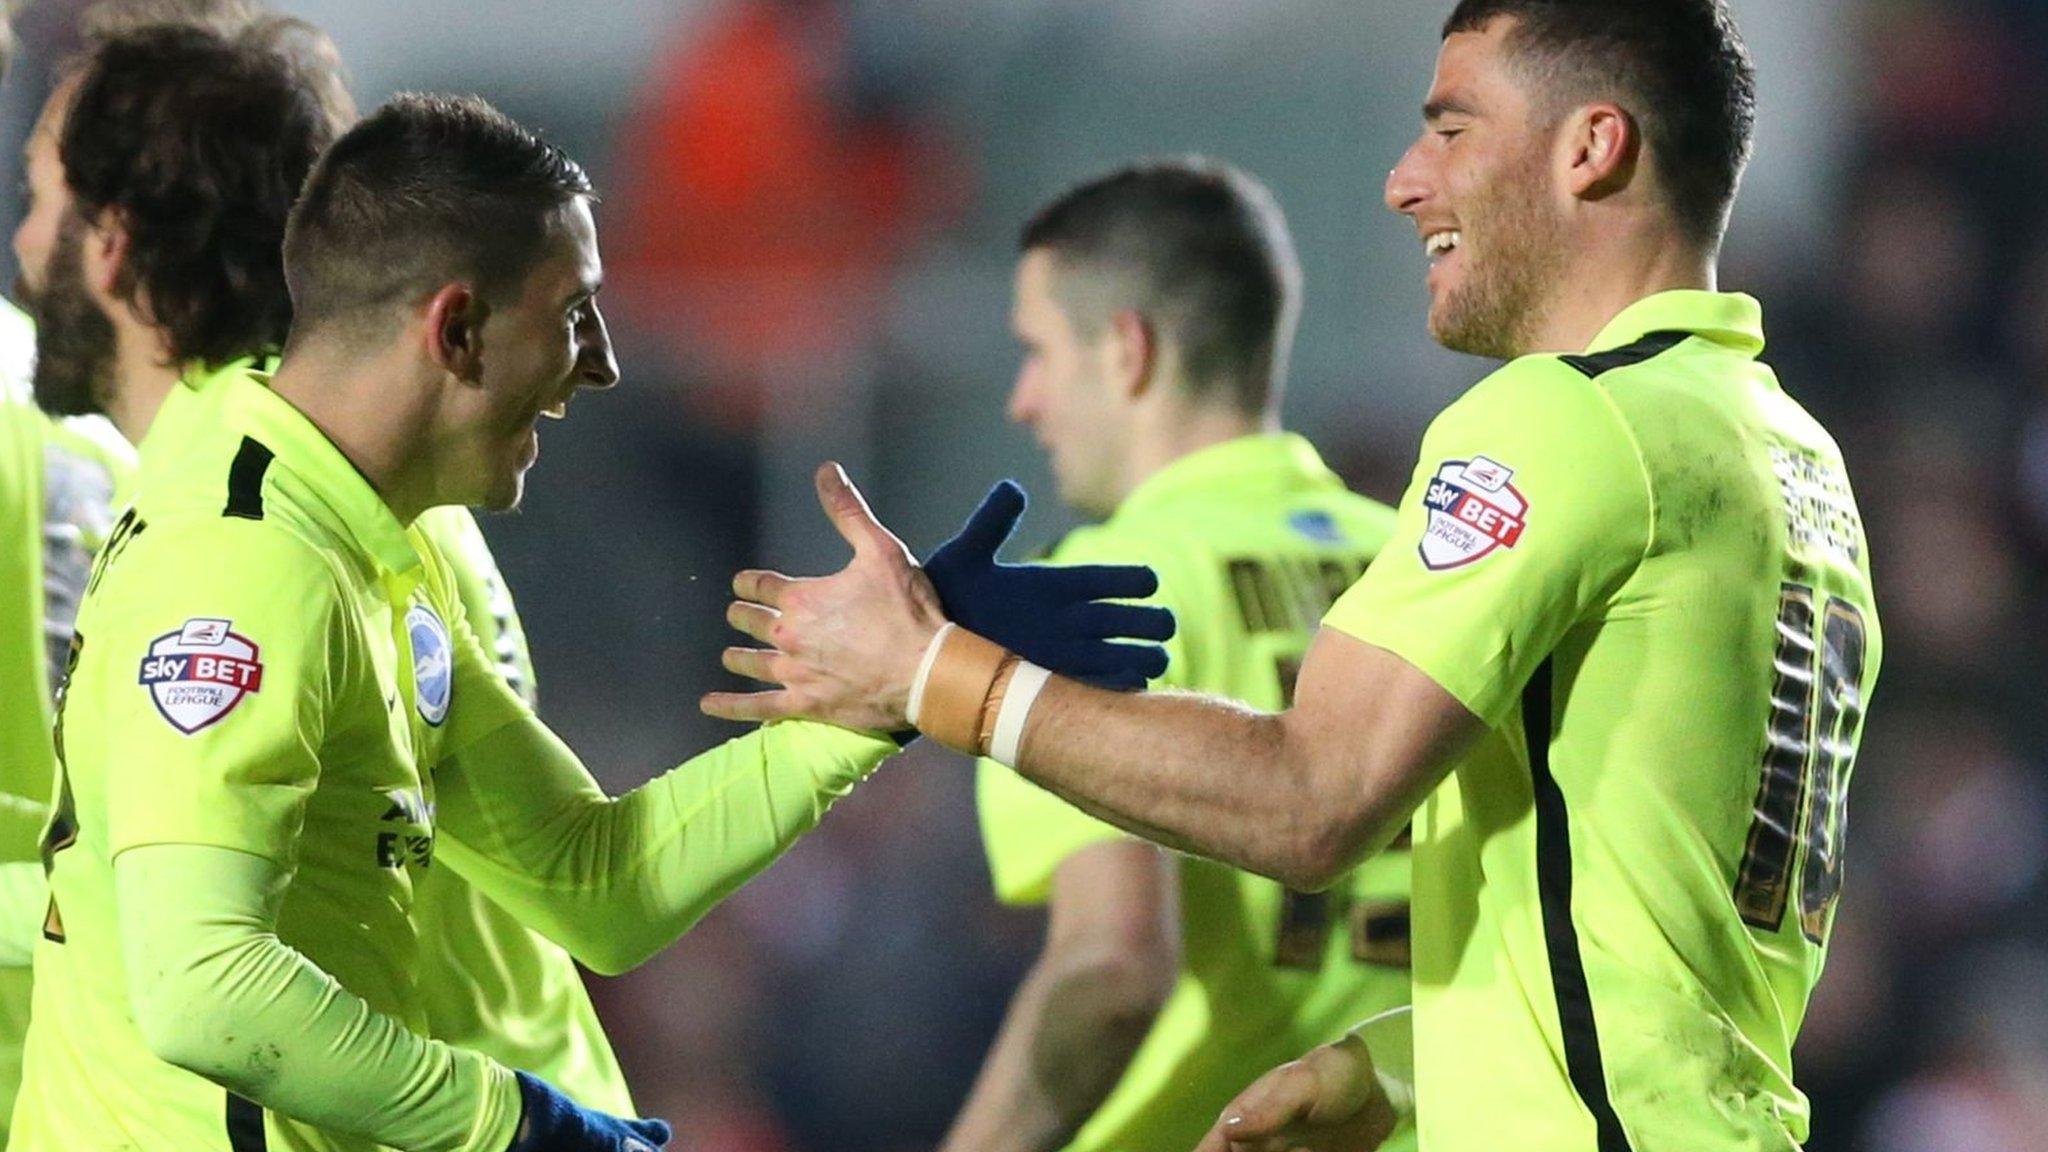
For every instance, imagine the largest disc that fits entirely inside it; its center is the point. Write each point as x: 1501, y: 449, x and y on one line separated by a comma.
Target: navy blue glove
x: 1053, y: 617
x: 555, y: 1123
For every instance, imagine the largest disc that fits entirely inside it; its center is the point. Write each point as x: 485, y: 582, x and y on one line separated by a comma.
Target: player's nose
x: 597, y: 366
x: 1407, y: 185
x: 1022, y: 407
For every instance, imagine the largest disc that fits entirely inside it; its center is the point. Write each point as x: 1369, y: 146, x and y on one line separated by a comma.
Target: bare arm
x: 1112, y: 953
x: 1299, y: 796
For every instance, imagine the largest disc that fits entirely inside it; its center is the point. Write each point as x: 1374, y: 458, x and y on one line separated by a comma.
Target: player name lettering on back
x: 1288, y: 594
x: 1820, y: 513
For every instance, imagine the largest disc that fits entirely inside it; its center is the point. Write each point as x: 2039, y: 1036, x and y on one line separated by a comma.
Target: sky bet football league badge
x: 1473, y: 510
x: 198, y: 674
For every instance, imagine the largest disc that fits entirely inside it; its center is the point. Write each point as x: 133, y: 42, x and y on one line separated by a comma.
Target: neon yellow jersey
x: 1644, y: 570
x: 486, y: 981
x: 338, y: 649
x: 59, y: 481
x: 1252, y: 540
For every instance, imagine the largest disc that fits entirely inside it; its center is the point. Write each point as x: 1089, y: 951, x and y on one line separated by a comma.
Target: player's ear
x: 105, y: 254
x: 1600, y: 147
x: 1133, y: 352
x: 454, y: 331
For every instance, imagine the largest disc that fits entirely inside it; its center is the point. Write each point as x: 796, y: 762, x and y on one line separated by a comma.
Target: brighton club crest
x: 433, y: 663
x: 198, y: 674
x: 1473, y: 511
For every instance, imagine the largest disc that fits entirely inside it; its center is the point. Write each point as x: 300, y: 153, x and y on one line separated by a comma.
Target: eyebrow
x: 585, y: 291
x: 1444, y: 106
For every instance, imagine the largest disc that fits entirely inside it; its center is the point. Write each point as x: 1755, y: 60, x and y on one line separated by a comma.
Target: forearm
x: 1071, y: 1032
x: 1202, y: 774
x: 214, y: 991
x: 616, y: 880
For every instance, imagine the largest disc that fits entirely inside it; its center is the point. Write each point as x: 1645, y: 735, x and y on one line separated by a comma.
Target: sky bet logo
x: 198, y: 674
x: 1473, y: 511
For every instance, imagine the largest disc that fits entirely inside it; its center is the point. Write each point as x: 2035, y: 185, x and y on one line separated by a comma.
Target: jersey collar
x: 170, y: 423
x: 344, y: 498
x: 1729, y: 318
x: 1261, y: 460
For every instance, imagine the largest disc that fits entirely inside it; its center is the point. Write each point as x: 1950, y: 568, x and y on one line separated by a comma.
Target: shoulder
x: 1547, y: 406
x: 451, y: 528
x: 454, y: 546
x: 263, y: 559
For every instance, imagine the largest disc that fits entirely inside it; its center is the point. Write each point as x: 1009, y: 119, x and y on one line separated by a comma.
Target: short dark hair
x: 1201, y: 249
x: 199, y: 143
x: 1680, y: 66
x: 428, y: 190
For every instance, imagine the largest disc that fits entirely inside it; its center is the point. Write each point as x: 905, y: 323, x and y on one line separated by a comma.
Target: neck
x: 143, y: 374
x: 352, y: 402
x: 1177, y: 430
x: 1604, y: 282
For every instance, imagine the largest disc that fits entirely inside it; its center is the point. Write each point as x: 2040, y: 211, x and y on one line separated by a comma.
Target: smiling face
x: 535, y: 353
x: 1479, y: 187
x: 1066, y: 391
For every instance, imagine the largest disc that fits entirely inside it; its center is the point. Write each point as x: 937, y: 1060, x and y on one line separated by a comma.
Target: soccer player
x: 277, y: 718
x: 59, y: 480
x: 1614, y: 662
x: 1156, y: 305
x: 154, y: 119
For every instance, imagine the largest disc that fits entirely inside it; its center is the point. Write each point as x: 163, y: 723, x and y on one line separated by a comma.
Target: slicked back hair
x: 199, y: 144
x: 426, y: 191
x: 1679, y: 66
x: 1197, y: 247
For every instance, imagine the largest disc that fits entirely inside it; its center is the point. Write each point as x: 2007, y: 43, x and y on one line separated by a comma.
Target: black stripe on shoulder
x: 1560, y: 937
x: 1648, y: 348
x: 245, y: 1126
x: 245, y: 480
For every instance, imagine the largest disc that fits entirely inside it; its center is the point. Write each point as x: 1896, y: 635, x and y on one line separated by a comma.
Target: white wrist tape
x: 924, y: 672
x: 1025, y: 685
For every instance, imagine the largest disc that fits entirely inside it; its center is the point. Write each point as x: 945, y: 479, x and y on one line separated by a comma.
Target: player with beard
x: 1614, y: 662
x: 59, y: 480
x: 197, y: 298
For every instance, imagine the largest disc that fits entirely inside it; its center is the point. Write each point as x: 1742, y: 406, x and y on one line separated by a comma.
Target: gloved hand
x: 1054, y: 617
x: 555, y: 1123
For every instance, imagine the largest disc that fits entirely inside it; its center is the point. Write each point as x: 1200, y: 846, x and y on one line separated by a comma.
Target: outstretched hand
x: 1328, y: 1101
x: 842, y: 648
x: 1061, y: 618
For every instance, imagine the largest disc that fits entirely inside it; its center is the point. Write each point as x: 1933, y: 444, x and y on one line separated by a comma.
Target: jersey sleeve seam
x: 1635, y: 448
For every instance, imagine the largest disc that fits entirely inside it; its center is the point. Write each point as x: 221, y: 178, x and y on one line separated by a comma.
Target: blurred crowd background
x: 809, y: 219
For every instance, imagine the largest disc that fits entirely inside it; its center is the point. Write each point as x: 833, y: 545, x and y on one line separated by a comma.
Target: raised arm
x: 1298, y: 796
x: 616, y: 880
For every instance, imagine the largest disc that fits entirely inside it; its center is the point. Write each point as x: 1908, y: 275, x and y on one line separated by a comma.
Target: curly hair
x: 197, y: 141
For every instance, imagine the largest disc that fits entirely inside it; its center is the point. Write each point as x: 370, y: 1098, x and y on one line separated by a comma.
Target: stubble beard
x: 74, y: 373
x: 1494, y: 314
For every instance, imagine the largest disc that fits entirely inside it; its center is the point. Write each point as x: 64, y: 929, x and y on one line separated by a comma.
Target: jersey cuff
x: 1481, y: 692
